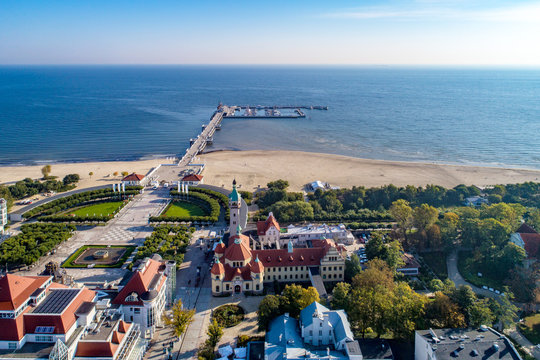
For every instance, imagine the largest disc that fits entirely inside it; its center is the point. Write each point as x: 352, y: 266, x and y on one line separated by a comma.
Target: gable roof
x: 133, y: 177
x: 192, y: 177
x: 15, y: 289
x: 263, y: 226
x: 140, y: 282
x: 531, y: 244
x: 306, y: 315
x: 526, y: 229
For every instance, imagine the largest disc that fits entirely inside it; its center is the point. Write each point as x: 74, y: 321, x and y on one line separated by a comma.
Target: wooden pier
x: 206, y: 137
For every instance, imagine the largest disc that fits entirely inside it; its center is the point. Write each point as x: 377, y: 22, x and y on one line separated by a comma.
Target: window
x: 12, y: 345
x: 320, y: 332
x: 320, y: 324
x: 151, y: 317
x: 247, y: 286
x: 217, y: 277
x: 296, y: 276
x: 44, y: 338
x: 324, y: 276
x: 137, y: 310
x: 217, y: 288
x: 257, y: 287
x: 324, y: 268
x: 227, y: 287
x: 132, y: 297
x: 311, y: 332
x: 340, y: 268
x: 279, y: 277
x: 285, y: 277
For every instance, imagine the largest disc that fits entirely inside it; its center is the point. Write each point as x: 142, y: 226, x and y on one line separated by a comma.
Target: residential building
x: 134, y: 180
x: 192, y: 179
x: 143, y: 299
x: 320, y: 334
x: 3, y: 215
x: 529, y: 239
x: 410, y: 267
x: 481, y: 343
x: 268, y: 232
x: 40, y: 319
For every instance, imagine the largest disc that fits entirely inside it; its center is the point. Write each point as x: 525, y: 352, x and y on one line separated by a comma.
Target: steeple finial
x: 290, y: 246
x: 234, y: 183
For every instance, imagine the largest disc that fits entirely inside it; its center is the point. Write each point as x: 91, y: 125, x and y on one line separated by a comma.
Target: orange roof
x: 133, y: 177
x: 192, y: 177
x: 96, y: 349
x: 15, y: 289
x: 140, y: 282
x: 220, y: 248
x: 217, y: 268
x: 123, y: 326
x: 263, y: 226
x: 257, y: 266
x: 531, y: 243
x: 239, y: 249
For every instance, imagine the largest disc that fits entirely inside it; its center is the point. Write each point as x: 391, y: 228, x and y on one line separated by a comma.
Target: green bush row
x: 70, y: 201
x: 205, y: 201
x: 221, y: 198
x: 170, y: 242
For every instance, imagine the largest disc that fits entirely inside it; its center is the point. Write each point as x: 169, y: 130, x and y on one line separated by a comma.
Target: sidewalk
x: 524, y: 342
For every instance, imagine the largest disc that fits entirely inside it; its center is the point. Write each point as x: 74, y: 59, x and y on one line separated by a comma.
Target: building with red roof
x: 192, y: 179
x: 529, y: 239
x: 151, y: 287
x: 133, y: 179
x: 238, y: 268
x: 268, y: 232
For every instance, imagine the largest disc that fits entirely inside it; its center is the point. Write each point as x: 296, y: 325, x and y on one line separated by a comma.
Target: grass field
x: 183, y: 208
x: 530, y: 328
x: 102, y: 208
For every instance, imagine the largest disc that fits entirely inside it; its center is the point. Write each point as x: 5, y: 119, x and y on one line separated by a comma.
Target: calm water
x: 118, y: 113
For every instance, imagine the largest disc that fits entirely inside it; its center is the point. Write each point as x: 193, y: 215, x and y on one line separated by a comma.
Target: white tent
x: 240, y: 353
x: 225, y: 351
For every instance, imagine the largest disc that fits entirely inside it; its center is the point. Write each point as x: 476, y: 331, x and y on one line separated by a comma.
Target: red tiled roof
x: 217, y: 268
x: 192, y: 177
x: 410, y: 261
x: 123, y: 326
x: 299, y: 256
x: 95, y: 349
x: 230, y: 272
x: 532, y: 244
x: 238, y: 252
x: 15, y: 289
x: 220, y: 248
x: 133, y: 177
x: 263, y: 226
x: 257, y: 266
x: 139, y: 283
x: 526, y: 229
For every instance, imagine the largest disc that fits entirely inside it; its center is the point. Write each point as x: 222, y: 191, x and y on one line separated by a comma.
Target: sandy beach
x: 254, y: 168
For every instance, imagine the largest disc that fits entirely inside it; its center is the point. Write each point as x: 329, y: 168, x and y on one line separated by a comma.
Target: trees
x: 180, y: 319
x: 424, y: 216
x: 214, y: 332
x: 402, y: 212
x: 124, y: 173
x: 352, y: 267
x: 441, y: 312
x: 340, y: 296
x: 278, y: 184
x: 269, y: 308
x: 71, y: 178
x: 91, y: 173
x: 375, y: 246
x: 46, y: 170
x: 292, y: 211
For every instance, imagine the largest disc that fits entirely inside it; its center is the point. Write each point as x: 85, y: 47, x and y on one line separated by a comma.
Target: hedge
x: 221, y: 198
x: 70, y: 201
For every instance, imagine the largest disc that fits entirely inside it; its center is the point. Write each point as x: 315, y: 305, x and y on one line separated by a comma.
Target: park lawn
x: 184, y: 209
x: 530, y: 328
x: 102, y: 208
x: 470, y: 273
x: 436, y: 260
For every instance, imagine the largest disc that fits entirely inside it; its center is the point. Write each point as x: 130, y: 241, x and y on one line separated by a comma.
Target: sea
x: 474, y: 116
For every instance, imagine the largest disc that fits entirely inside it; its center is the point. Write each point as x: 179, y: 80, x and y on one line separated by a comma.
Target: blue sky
x: 438, y: 32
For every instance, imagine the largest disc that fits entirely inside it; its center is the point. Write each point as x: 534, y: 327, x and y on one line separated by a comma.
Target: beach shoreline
x: 254, y: 168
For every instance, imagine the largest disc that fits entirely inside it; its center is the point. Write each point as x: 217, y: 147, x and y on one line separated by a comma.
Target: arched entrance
x: 237, y: 288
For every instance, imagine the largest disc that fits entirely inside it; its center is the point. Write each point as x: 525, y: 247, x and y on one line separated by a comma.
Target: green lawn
x: 183, y: 208
x: 102, y: 208
x: 530, y: 328
x: 470, y: 272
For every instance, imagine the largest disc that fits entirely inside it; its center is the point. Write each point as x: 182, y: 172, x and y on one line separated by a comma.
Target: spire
x: 234, y: 183
x: 238, y: 229
x: 257, y: 258
x: 290, y: 246
x: 234, y: 195
x: 216, y: 259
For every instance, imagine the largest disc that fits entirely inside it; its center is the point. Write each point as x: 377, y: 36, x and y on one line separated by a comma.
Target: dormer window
x: 132, y: 297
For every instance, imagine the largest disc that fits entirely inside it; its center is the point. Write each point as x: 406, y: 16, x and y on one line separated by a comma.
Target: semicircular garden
x: 192, y: 207
x: 89, y: 206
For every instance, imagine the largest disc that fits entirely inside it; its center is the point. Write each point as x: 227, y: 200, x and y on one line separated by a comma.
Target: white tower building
x: 235, y: 200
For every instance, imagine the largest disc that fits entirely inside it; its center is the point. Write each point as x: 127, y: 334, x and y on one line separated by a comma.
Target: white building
x: 3, y: 215
x: 268, y: 232
x: 134, y: 180
x: 301, y: 234
x: 192, y: 179
x: 473, y: 344
x: 143, y: 299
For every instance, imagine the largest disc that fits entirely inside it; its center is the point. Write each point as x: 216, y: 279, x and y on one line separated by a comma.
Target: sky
x: 362, y: 32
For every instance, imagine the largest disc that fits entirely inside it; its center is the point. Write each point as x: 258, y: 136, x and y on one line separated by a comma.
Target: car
x: 484, y: 287
x: 491, y: 289
x: 497, y: 292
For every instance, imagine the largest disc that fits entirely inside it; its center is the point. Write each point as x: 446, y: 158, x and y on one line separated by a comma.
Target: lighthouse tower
x: 234, y: 207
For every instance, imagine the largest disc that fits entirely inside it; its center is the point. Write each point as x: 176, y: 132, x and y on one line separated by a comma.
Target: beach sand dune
x: 254, y: 168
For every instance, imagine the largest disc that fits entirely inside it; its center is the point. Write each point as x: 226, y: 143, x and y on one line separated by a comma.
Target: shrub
x: 229, y: 315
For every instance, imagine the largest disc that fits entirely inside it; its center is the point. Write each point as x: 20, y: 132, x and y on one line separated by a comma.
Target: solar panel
x: 44, y: 330
x: 56, y: 301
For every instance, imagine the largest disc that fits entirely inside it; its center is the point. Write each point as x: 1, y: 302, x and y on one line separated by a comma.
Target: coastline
x: 252, y: 168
